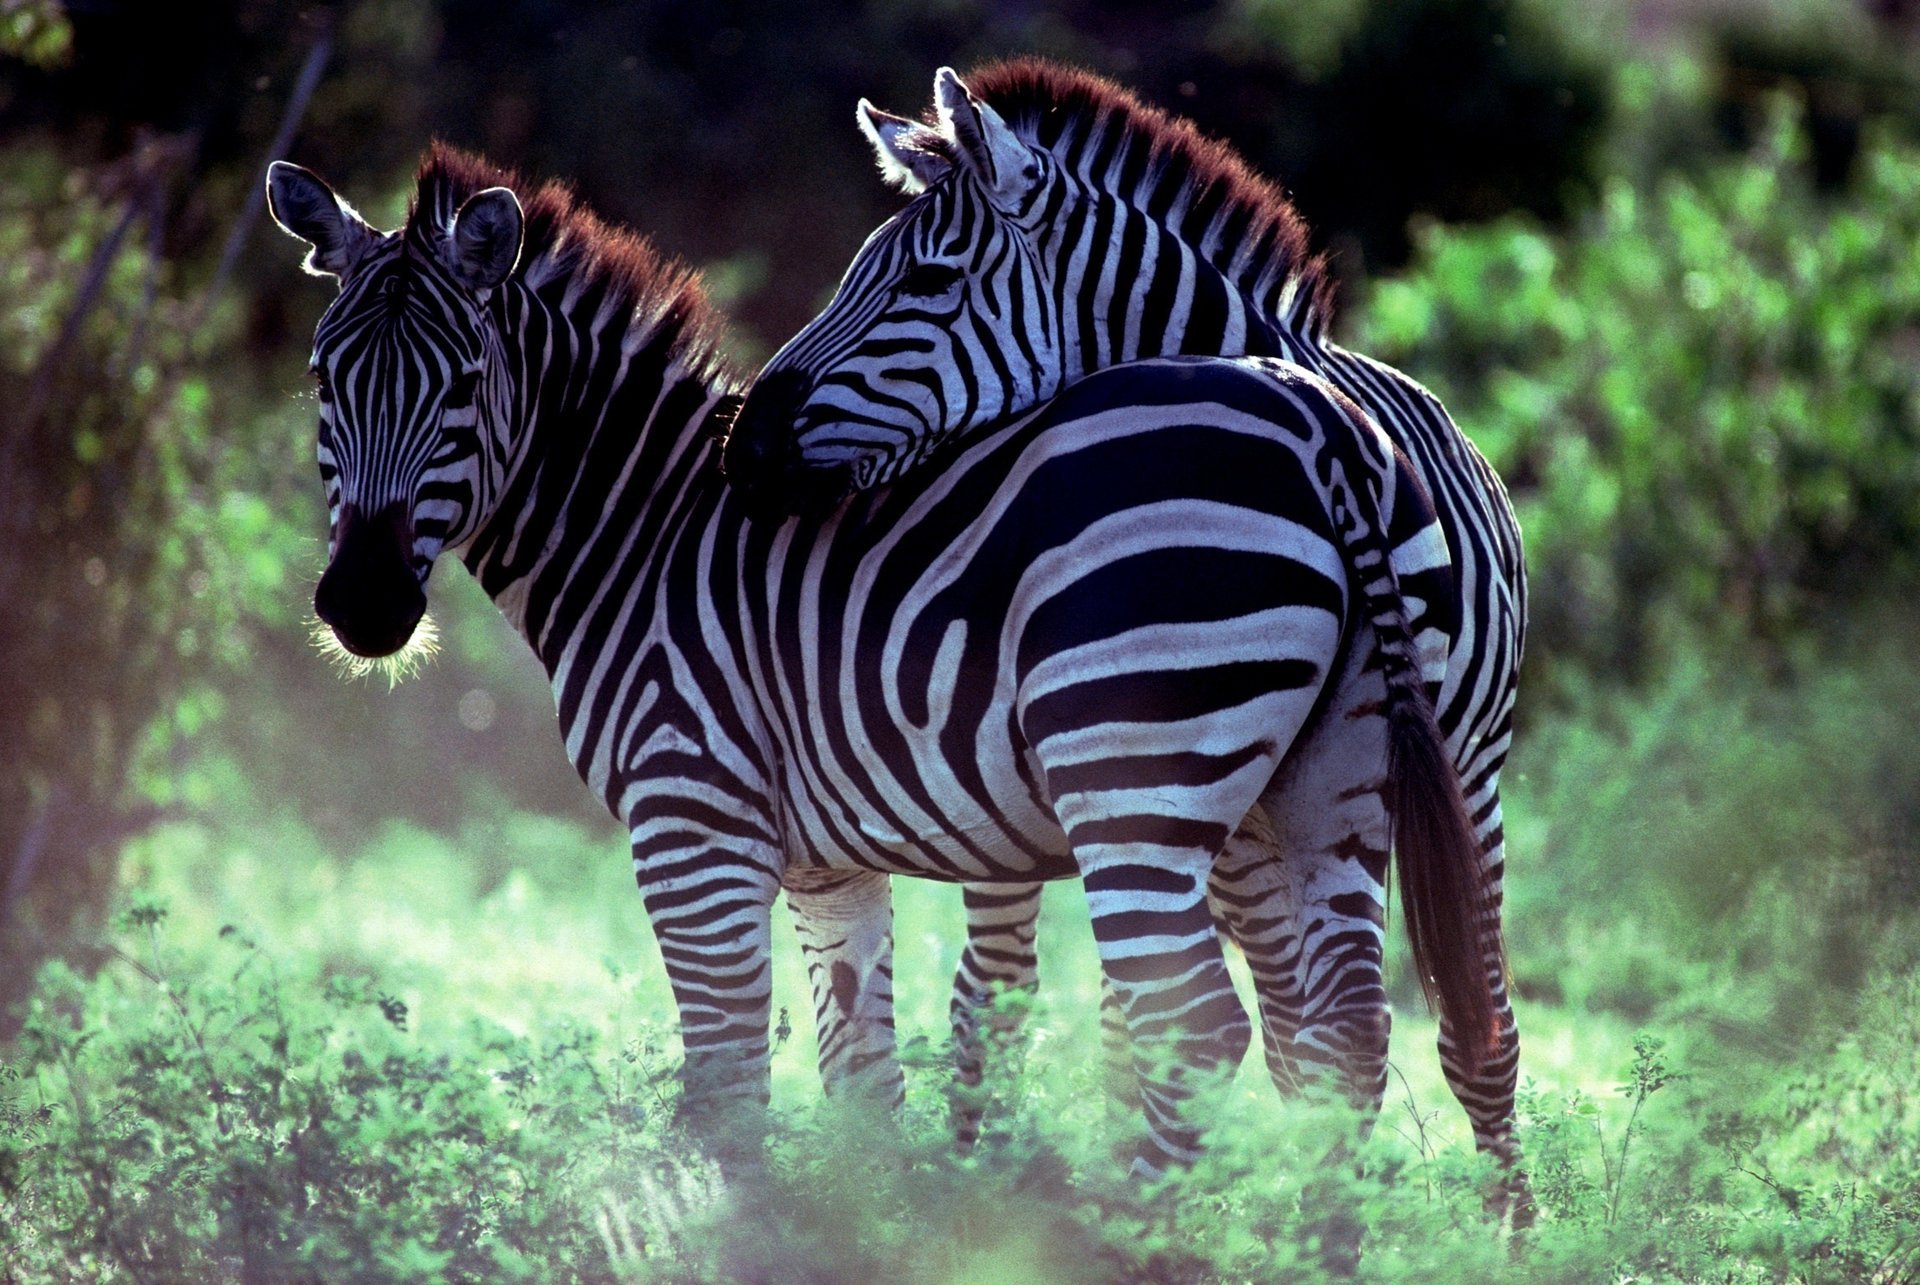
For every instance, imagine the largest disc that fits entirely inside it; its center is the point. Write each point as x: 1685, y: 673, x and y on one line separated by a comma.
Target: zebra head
x: 399, y: 358
x: 1059, y: 225
x: 943, y: 321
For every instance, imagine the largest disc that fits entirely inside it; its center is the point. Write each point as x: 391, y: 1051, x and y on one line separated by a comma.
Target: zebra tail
x: 1438, y: 860
x: 1436, y: 852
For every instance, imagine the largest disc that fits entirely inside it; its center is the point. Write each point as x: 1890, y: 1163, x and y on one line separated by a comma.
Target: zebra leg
x: 1247, y: 895
x: 845, y: 921
x: 1161, y: 957
x: 1255, y: 894
x: 1116, y: 1049
x: 1149, y: 779
x: 1327, y: 801
x: 1002, y: 920
x: 1002, y: 923
x: 1340, y: 1045
x: 711, y: 912
x: 1487, y: 1095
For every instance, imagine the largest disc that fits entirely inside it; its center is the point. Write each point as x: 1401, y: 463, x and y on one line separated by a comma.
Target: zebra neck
x: 611, y: 450
x: 1177, y: 298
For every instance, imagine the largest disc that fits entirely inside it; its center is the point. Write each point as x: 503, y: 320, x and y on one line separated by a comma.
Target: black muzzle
x: 369, y: 595
x: 761, y: 457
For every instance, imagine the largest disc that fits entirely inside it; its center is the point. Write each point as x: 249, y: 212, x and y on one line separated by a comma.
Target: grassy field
x: 450, y: 1056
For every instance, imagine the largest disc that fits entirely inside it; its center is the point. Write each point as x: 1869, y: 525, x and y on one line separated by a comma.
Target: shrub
x: 216, y: 1119
x: 1719, y: 849
x: 212, y: 1113
x: 1706, y: 400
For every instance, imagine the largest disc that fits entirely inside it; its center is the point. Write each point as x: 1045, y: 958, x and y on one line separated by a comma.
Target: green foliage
x: 210, y: 1111
x: 219, y: 1116
x: 1837, y: 1172
x: 1705, y: 399
x: 384, y: 1081
x: 36, y: 32
x: 1851, y: 65
x: 1718, y: 850
x: 140, y: 551
x: 1762, y: 1172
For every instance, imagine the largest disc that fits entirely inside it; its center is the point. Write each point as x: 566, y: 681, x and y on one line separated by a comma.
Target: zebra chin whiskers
x: 397, y: 668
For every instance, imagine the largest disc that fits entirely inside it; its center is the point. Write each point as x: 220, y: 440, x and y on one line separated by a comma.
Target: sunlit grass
x: 421, y: 648
x: 468, y: 1007
x: 517, y: 922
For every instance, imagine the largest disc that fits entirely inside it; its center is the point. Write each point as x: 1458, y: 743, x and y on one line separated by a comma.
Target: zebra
x: 915, y: 682
x: 1058, y: 226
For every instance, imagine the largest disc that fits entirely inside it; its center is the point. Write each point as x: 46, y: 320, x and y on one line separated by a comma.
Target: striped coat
x: 1091, y: 649
x: 1060, y: 226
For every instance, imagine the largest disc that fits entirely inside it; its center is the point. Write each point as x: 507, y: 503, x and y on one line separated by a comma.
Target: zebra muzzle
x: 762, y: 454
x: 369, y: 595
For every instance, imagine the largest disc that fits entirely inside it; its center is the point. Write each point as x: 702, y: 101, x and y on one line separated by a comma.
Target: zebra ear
x: 305, y: 207
x: 485, y: 242
x: 911, y: 156
x: 986, y: 144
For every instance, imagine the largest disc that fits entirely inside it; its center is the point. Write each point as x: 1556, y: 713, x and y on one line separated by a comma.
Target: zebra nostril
x: 329, y: 599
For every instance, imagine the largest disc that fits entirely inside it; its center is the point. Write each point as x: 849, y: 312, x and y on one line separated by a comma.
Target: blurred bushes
x: 1723, y: 850
x: 1852, y: 65
x: 723, y: 129
x: 1705, y: 399
x: 37, y: 32
x: 1370, y: 112
x: 137, y: 552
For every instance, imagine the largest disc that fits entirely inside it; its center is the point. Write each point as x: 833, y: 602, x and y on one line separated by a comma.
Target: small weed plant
x: 206, y: 1112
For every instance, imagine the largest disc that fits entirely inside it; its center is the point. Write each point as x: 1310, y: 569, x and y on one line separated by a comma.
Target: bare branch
x: 150, y: 285
x: 303, y: 87
x: 33, y: 845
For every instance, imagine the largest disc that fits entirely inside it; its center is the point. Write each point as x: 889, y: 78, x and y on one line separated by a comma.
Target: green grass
x: 451, y: 1057
x: 565, y: 933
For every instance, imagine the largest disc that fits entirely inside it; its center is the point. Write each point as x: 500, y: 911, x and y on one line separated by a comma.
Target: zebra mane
x: 569, y: 251
x: 1197, y: 187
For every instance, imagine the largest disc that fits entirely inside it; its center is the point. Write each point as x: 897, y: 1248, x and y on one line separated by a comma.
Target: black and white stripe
x: 1059, y: 227
x: 1090, y: 646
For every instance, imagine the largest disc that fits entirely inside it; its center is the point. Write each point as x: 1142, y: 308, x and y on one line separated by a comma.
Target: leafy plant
x: 234, y: 1123
x: 1704, y: 398
x: 212, y: 1111
x: 137, y: 548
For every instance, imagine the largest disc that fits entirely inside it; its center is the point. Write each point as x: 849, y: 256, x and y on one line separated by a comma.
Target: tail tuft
x: 1438, y: 862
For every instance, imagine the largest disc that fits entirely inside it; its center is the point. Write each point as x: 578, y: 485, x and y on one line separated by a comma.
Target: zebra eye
x: 460, y: 392
x: 321, y: 383
x: 930, y: 280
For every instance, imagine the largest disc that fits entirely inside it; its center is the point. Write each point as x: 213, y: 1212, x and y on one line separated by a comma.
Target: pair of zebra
x: 1175, y: 625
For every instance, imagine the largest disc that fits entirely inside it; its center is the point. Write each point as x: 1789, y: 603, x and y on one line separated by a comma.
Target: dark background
x: 160, y: 525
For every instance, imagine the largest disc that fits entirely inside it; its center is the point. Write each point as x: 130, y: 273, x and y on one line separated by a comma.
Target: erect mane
x: 1164, y: 165
x: 568, y: 246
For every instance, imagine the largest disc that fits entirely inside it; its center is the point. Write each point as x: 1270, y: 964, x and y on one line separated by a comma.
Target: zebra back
x: 1060, y: 225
